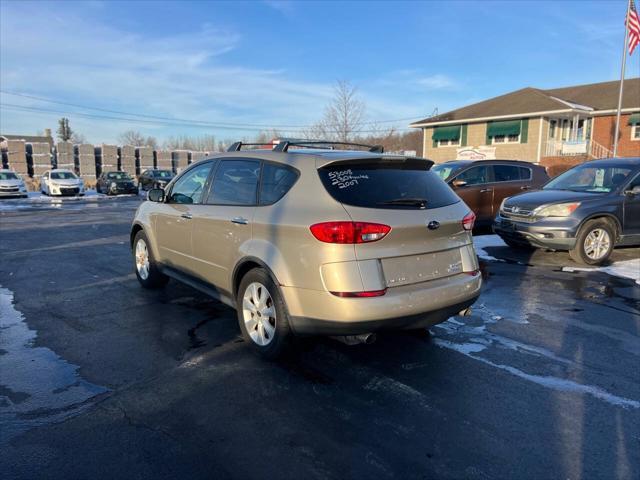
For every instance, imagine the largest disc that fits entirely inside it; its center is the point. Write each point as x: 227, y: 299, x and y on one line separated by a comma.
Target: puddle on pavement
x: 37, y: 387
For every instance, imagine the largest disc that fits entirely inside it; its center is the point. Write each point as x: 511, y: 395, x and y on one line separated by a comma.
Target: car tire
x: 257, y: 294
x: 594, y: 242
x: 146, y: 267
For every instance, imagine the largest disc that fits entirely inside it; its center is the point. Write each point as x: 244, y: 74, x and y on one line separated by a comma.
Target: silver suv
x: 312, y: 241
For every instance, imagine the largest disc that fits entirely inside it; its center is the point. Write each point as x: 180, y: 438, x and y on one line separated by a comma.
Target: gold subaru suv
x: 312, y: 241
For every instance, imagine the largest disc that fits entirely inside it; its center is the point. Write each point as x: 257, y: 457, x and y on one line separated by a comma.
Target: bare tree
x: 135, y: 138
x: 78, y: 138
x: 203, y: 143
x: 344, y: 116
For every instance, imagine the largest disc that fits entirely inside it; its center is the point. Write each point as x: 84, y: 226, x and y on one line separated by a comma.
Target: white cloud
x: 436, y: 82
x: 194, y: 75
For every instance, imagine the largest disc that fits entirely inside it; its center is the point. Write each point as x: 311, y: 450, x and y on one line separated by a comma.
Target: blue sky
x: 275, y: 62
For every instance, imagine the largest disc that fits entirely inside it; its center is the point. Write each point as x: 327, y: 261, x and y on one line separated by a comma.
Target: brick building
x: 560, y: 126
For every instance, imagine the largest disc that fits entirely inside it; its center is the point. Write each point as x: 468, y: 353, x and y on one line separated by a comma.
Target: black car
x: 587, y: 210
x: 154, y: 179
x: 114, y: 183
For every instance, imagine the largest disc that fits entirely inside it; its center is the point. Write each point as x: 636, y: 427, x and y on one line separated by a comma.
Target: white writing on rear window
x: 346, y: 178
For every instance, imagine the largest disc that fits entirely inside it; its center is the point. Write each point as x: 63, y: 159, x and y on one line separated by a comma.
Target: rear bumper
x: 557, y: 235
x: 315, y: 312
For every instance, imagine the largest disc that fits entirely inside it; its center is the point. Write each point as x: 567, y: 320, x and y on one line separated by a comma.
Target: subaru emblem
x: 433, y: 225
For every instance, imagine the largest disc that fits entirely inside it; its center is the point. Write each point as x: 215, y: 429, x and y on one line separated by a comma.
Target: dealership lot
x: 101, y: 378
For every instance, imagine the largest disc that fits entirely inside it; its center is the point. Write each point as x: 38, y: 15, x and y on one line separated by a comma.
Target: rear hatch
x: 427, y: 240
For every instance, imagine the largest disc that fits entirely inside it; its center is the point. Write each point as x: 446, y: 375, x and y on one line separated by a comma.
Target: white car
x: 11, y: 185
x: 61, y: 182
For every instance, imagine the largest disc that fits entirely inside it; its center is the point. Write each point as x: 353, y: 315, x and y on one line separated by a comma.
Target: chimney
x: 47, y: 132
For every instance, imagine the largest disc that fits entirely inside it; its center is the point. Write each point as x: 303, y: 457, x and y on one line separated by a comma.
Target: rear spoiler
x: 417, y: 161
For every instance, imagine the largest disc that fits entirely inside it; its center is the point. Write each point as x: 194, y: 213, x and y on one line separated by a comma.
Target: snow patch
x: 483, y: 241
x: 625, y: 269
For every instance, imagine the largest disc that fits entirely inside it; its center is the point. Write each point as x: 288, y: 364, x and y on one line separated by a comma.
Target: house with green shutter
x: 556, y: 126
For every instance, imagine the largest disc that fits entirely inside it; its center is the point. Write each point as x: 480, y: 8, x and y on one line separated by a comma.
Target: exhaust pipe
x: 466, y: 312
x: 366, y: 338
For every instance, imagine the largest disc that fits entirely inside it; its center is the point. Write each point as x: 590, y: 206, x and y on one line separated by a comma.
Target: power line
x: 15, y: 107
x: 189, y: 121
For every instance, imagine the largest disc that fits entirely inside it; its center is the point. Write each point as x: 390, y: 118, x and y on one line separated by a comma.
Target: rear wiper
x: 414, y: 202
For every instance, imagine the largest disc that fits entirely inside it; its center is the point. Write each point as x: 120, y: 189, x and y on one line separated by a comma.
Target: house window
x: 552, y: 129
x: 499, y: 139
x: 635, y: 131
x: 447, y: 136
x: 449, y: 143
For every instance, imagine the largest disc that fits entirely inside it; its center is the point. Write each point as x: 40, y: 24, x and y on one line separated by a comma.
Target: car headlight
x: 558, y: 210
x: 113, y: 185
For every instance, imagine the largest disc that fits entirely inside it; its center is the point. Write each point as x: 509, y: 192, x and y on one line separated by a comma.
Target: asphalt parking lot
x: 102, y: 379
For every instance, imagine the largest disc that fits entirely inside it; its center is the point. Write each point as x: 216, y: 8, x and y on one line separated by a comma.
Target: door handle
x: 485, y: 190
x: 525, y: 187
x: 188, y: 216
x: 239, y: 220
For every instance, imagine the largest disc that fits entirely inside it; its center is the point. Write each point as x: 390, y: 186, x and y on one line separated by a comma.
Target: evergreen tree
x: 64, y: 130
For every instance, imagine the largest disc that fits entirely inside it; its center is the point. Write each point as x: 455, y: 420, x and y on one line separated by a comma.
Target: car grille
x: 69, y: 190
x: 9, y: 189
x: 518, y: 214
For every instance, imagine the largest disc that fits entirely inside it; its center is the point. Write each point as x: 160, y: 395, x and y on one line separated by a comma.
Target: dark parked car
x: 114, y: 183
x: 483, y: 184
x: 154, y: 179
x: 587, y: 210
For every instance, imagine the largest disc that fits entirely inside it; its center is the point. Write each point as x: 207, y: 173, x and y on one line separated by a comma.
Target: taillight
x: 349, y: 232
x: 370, y: 293
x: 468, y: 221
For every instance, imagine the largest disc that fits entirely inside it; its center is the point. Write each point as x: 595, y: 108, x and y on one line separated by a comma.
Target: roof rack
x: 237, y: 146
x: 284, y: 145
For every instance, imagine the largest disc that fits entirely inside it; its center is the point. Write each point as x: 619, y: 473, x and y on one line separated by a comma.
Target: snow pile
x: 483, y: 241
x: 625, y: 269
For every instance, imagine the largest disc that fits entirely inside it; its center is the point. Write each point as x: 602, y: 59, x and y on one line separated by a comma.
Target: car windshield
x: 162, y: 174
x: 8, y: 176
x: 387, y: 184
x: 63, y: 175
x: 590, y: 178
x: 118, y: 176
x: 446, y: 170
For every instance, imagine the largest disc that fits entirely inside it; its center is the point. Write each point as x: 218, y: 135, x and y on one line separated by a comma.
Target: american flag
x: 633, y: 24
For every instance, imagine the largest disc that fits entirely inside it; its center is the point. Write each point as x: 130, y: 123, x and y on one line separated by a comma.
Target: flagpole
x: 624, y: 61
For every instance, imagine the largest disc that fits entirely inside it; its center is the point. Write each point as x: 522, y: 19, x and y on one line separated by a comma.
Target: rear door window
x: 235, y: 183
x: 510, y: 173
x: 377, y: 183
x: 275, y: 182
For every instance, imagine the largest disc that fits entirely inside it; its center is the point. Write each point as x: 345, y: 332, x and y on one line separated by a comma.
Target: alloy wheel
x: 259, y: 314
x: 142, y: 259
x: 597, y: 243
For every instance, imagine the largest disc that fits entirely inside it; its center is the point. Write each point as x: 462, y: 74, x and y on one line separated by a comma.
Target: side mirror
x: 155, y: 195
x: 459, y: 183
x: 634, y: 191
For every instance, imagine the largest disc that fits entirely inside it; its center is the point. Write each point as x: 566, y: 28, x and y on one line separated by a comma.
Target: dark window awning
x: 446, y: 133
x: 510, y: 127
x: 634, y: 119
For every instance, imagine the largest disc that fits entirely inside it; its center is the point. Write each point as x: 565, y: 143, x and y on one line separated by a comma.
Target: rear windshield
x: 162, y: 174
x: 387, y: 184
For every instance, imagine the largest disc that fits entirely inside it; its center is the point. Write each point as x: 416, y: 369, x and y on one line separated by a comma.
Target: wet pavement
x: 100, y: 378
